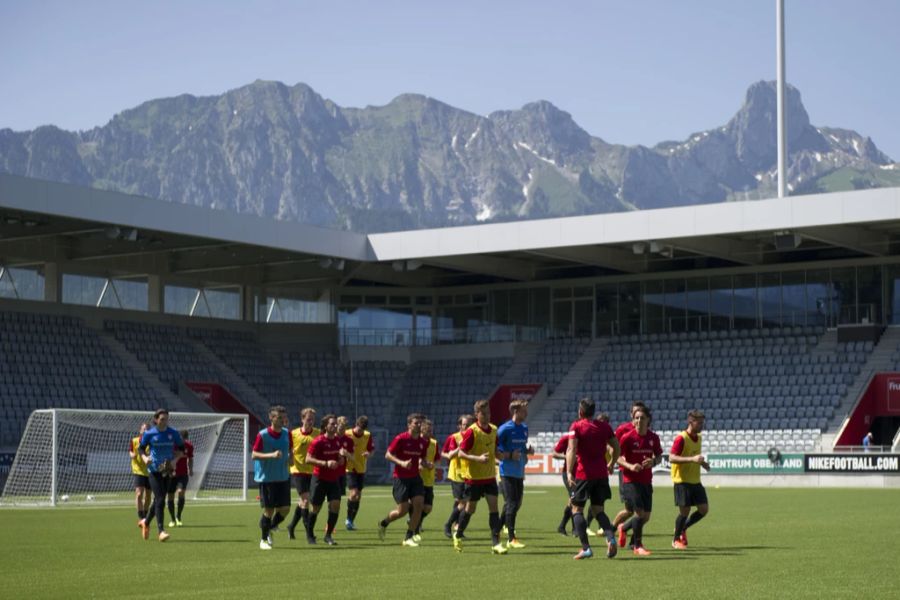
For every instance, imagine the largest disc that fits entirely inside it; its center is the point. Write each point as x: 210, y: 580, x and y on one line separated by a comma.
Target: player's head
x: 482, y: 410
x: 185, y: 434
x: 465, y: 421
x: 427, y: 427
x: 586, y: 408
x: 342, y: 424
x: 518, y: 410
x: 275, y: 413
x: 414, y: 423
x: 329, y: 425
x: 144, y: 427
x: 362, y: 422
x: 602, y: 417
x: 696, y: 420
x: 308, y: 418
x: 640, y: 418
x: 636, y: 405
x: 161, y: 418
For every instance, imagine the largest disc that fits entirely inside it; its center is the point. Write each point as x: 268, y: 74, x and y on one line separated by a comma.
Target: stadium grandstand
x: 772, y: 316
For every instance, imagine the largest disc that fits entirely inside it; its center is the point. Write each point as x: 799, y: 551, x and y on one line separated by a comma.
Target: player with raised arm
x: 478, y: 450
x: 363, y: 446
x: 427, y: 474
x: 586, y: 464
x: 161, y: 445
x: 641, y: 451
x: 326, y: 456
x: 513, y: 451
x: 456, y: 474
x: 140, y: 475
x: 687, y: 458
x: 407, y: 452
x: 271, y: 456
x: 301, y: 471
x: 184, y: 470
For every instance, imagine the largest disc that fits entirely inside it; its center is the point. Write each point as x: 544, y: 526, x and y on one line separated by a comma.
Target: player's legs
x: 158, y: 485
x: 493, y: 515
x: 179, y: 492
x: 427, y: 506
x: 139, y: 502
x: 334, y: 509
x: 301, y: 511
x: 416, y: 504
x: 353, y: 498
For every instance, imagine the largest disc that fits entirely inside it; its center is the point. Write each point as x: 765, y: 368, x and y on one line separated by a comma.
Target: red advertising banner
x: 881, y: 399
x: 506, y: 393
x: 221, y: 400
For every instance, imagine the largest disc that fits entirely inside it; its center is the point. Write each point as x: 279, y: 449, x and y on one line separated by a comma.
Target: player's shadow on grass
x: 211, y: 526
x: 207, y: 541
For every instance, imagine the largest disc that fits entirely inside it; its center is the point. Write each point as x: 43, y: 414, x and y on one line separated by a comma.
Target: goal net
x: 81, y: 456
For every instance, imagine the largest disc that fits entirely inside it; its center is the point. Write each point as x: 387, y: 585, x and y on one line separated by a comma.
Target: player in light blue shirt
x: 162, y: 443
x: 513, y: 450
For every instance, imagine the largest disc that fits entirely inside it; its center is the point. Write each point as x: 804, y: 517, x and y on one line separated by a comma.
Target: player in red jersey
x: 184, y: 470
x: 450, y: 452
x: 325, y: 455
x: 625, y: 514
x: 641, y: 451
x: 407, y: 451
x: 588, y: 471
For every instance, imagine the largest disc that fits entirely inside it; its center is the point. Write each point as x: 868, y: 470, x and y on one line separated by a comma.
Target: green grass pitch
x: 756, y: 543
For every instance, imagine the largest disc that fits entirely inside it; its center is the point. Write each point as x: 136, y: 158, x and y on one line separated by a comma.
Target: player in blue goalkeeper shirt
x: 513, y: 450
x: 163, y: 446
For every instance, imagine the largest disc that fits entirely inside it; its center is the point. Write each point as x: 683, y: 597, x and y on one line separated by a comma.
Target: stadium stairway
x: 880, y: 359
x: 571, y: 383
x: 139, y: 369
x: 526, y: 354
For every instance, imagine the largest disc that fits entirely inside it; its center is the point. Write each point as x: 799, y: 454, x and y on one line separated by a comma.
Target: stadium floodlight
x: 81, y: 456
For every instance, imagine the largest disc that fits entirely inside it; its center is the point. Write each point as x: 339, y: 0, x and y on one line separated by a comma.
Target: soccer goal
x: 81, y: 456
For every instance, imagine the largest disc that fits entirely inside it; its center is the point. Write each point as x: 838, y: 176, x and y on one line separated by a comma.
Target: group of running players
x: 322, y: 462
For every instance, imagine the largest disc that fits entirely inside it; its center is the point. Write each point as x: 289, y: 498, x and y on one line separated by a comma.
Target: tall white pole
x: 779, y: 85
x: 54, y: 459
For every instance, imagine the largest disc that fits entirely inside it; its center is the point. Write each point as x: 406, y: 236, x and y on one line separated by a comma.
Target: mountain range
x: 288, y: 153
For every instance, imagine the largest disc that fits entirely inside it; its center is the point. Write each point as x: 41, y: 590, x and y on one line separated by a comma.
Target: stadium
x: 777, y: 318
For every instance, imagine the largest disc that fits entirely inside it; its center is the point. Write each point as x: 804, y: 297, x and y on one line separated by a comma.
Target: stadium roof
x: 117, y: 234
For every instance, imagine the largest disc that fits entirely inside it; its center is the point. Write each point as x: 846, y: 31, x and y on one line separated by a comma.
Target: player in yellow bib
x: 301, y: 471
x: 141, y: 478
x: 687, y: 458
x: 363, y: 446
x: 427, y: 473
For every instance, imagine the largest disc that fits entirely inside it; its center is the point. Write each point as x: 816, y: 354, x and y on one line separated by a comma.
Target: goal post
x: 81, y: 456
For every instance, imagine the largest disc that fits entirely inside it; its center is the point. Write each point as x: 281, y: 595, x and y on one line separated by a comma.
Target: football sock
x: 567, y: 515
x: 277, y: 518
x: 454, y: 517
x: 511, y: 525
x: 604, y: 523
x: 464, y: 517
x: 680, y: 522
x: 352, y: 509
x: 421, y: 520
x: 409, y: 534
x: 180, y: 506
x: 332, y: 521
x: 637, y: 539
x: 311, y: 524
x: 298, y: 515
x: 494, y: 521
x: 171, y: 504
x: 304, y: 515
x: 264, y: 525
x: 141, y: 514
x: 384, y: 523
x: 696, y: 516
x: 579, y: 525
x: 627, y: 525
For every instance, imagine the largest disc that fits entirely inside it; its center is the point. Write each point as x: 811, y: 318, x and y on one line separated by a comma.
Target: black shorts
x: 302, y: 483
x: 407, y: 489
x: 356, y: 481
x: 177, y: 482
x: 458, y: 488
x: 429, y: 495
x: 690, y: 494
x: 637, y: 495
x: 475, y: 491
x: 141, y: 481
x: 595, y: 491
x: 342, y: 483
x: 320, y: 490
x: 275, y: 494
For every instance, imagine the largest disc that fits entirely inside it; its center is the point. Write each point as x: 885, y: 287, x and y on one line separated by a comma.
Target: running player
x: 301, y: 471
x: 686, y: 459
x: 641, y: 451
x: 455, y: 474
x: 184, y: 470
x: 363, y: 446
x: 407, y: 452
x: 478, y: 450
x: 559, y: 453
x: 625, y: 514
x: 142, y: 494
x: 271, y: 456
x: 325, y: 454
x: 588, y: 471
x: 164, y: 445
x: 427, y: 474
x: 513, y: 450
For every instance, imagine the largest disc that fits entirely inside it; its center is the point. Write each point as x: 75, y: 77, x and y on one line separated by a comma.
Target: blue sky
x: 629, y: 71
